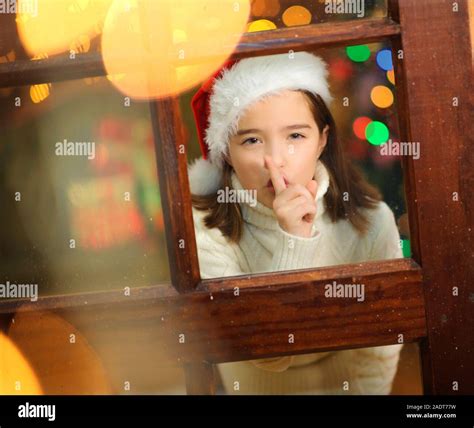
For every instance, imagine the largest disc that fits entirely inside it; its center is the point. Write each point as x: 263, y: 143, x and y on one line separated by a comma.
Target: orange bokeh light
x: 162, y: 47
x: 17, y: 377
x: 391, y: 76
x: 381, y: 96
x: 296, y: 15
x: 54, y: 26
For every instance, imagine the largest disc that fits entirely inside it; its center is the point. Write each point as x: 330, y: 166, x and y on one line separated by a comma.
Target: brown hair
x: 344, y: 177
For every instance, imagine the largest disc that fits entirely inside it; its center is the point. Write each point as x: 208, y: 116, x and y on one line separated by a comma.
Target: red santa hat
x: 224, y: 97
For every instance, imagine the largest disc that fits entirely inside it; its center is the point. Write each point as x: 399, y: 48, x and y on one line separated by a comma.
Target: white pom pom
x: 204, y: 177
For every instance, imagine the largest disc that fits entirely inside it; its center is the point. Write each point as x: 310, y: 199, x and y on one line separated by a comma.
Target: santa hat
x: 224, y: 97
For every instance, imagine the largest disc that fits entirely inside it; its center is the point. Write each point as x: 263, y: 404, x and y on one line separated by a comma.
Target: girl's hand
x: 295, y: 205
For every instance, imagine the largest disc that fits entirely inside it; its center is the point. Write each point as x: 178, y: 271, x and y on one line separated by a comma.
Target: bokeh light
x: 165, y: 47
x: 17, y: 375
x: 376, y: 133
x: 58, y: 25
x: 296, y: 15
x: 391, y: 76
x: 64, y: 361
x: 360, y: 125
x: 265, y: 7
x: 341, y: 68
x: 40, y: 92
x: 384, y: 59
x: 406, y: 249
x: 359, y: 53
x: 81, y: 45
x: 9, y: 57
x: 381, y: 96
x: 260, y: 25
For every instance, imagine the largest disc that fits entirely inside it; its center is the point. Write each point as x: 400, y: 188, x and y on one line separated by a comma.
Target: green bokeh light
x: 376, y: 133
x: 406, y: 248
x: 359, y: 53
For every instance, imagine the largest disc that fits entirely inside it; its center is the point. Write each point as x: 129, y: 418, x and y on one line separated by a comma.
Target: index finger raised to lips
x: 275, y: 175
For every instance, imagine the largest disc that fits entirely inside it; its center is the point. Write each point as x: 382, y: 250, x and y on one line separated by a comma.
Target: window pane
x: 328, y: 373
x: 365, y: 139
x: 81, y: 208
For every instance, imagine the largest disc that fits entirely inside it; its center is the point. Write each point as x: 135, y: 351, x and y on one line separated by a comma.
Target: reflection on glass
x: 81, y: 208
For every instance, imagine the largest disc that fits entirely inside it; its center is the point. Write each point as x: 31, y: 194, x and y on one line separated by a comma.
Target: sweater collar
x: 264, y: 217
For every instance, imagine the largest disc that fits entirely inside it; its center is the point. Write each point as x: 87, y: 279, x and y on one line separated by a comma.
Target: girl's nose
x: 276, y: 152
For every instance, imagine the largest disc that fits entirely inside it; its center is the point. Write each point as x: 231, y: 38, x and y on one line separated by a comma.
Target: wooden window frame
x: 411, y: 296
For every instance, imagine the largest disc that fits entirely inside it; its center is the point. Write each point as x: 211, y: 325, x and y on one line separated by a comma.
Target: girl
x: 264, y: 128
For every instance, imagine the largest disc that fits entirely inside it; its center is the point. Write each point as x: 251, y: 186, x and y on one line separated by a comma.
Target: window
x: 200, y: 323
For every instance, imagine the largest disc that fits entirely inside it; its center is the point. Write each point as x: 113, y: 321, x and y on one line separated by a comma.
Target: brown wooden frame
x: 412, y: 297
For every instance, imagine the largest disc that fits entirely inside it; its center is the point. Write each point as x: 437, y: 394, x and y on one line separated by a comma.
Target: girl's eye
x: 295, y: 136
x: 253, y: 140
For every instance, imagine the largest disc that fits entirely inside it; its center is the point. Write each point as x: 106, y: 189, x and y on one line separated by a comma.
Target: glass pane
x: 328, y: 373
x: 365, y: 140
x: 81, y: 208
x: 78, y: 352
x: 80, y: 218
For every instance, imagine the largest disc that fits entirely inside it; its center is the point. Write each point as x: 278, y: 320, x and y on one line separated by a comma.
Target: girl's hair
x: 344, y: 179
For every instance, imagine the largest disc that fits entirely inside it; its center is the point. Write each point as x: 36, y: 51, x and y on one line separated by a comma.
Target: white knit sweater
x: 264, y: 248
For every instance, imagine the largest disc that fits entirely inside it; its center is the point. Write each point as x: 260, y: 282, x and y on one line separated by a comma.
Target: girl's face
x: 281, y: 126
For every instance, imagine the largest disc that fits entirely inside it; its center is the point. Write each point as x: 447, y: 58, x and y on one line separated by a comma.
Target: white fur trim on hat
x: 204, y: 177
x: 252, y: 79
